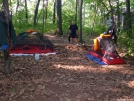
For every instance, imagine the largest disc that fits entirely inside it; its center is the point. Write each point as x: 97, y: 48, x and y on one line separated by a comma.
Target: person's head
x: 73, y: 22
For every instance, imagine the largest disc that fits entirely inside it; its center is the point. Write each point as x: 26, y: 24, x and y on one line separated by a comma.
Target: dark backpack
x: 112, y: 31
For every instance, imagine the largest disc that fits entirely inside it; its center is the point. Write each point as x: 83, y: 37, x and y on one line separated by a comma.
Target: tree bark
x: 10, y: 4
x: 59, y: 17
x: 54, y: 11
x: 76, y: 7
x: 26, y: 10
x: 105, y: 6
x: 128, y: 16
x: 6, y: 52
x: 36, y: 13
x: 43, y: 17
x: 18, y: 3
x: 46, y: 13
x: 81, y: 3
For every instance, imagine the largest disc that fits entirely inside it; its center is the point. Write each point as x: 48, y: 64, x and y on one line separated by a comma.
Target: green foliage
x: 1, y: 2
x: 87, y: 30
x: 126, y: 43
x: 66, y: 22
x: 50, y: 28
x: 100, y: 29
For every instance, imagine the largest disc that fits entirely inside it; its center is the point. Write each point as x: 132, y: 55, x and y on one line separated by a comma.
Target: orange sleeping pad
x: 96, y: 43
x: 105, y: 35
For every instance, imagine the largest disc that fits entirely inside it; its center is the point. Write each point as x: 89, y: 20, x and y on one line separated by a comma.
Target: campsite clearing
x: 66, y: 76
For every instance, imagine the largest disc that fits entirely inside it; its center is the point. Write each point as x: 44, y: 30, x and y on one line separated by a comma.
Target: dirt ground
x: 66, y: 76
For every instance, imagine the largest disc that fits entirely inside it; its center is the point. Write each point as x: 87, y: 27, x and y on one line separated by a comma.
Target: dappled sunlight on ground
x: 66, y: 76
x: 131, y: 84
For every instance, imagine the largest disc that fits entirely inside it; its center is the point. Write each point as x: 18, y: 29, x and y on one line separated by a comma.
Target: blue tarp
x: 95, y: 59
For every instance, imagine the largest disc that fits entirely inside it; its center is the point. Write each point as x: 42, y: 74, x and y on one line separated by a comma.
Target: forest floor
x: 66, y: 76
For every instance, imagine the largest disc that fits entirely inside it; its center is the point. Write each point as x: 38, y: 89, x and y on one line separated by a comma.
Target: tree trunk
x: 43, y: 17
x: 36, y: 13
x: 26, y: 10
x: 81, y: 3
x: 6, y: 52
x: 76, y: 10
x: 59, y: 17
x: 84, y: 13
x: 46, y: 13
x: 104, y: 6
x: 18, y: 3
x: 54, y: 12
x: 128, y: 16
x: 10, y: 4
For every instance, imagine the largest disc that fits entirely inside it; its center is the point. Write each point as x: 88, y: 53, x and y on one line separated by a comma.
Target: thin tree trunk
x: 46, y: 13
x: 54, y: 11
x: 105, y: 6
x: 129, y: 25
x: 36, y: 13
x: 26, y: 10
x: 18, y: 14
x: 59, y: 17
x: 112, y: 16
x: 43, y: 17
x: 84, y: 12
x: 76, y: 10
x: 18, y: 3
x: 6, y: 52
x: 11, y: 7
x: 81, y: 3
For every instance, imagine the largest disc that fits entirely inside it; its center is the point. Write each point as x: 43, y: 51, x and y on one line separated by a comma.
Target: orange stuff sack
x: 29, y: 31
x: 105, y: 35
x: 96, y: 45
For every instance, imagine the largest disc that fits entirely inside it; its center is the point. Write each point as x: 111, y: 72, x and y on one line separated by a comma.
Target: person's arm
x: 69, y: 31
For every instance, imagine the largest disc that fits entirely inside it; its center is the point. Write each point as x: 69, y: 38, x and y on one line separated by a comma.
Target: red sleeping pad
x: 113, y: 61
x: 31, y: 50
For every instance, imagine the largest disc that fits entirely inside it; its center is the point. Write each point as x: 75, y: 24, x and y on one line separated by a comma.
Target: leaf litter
x: 66, y: 76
